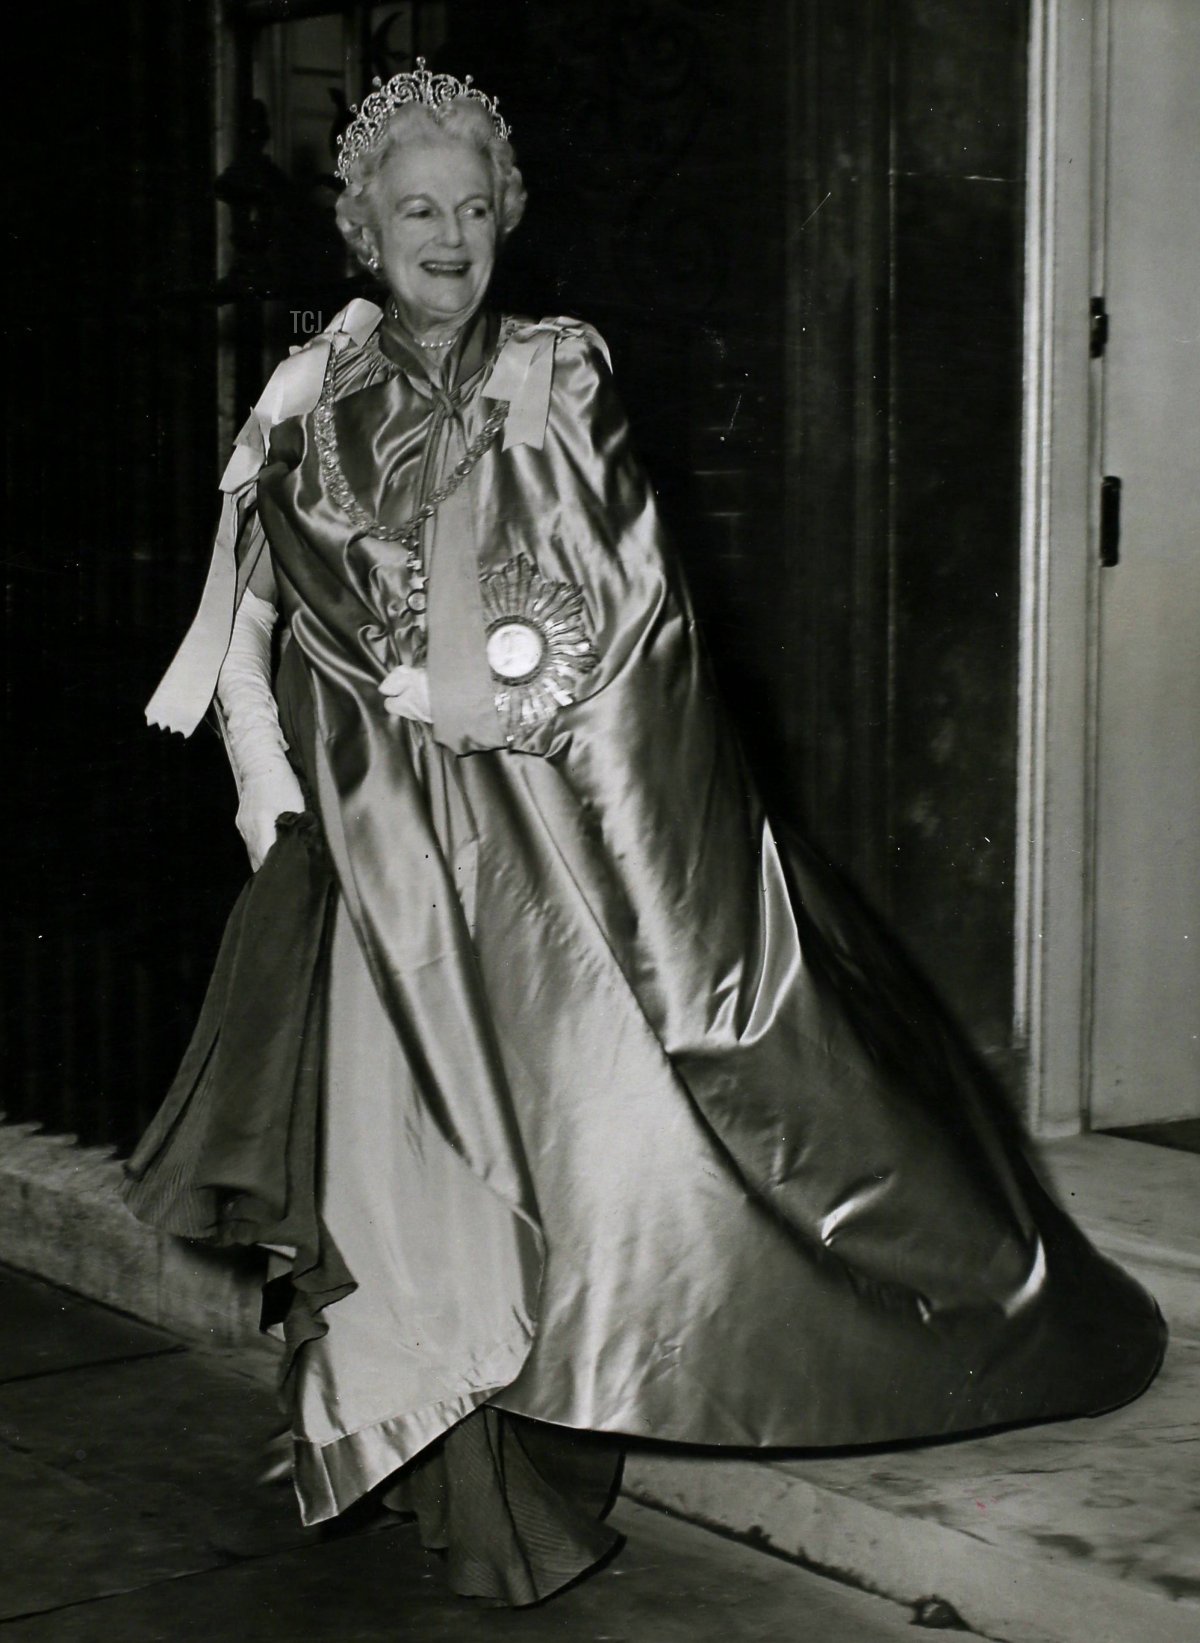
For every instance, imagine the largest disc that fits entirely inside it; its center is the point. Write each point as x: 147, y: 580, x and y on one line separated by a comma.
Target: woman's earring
x: 373, y: 263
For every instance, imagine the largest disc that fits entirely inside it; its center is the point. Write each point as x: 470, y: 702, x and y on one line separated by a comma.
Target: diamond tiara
x: 434, y: 91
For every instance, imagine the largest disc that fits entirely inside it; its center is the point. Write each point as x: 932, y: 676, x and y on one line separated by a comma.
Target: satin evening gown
x: 582, y: 1100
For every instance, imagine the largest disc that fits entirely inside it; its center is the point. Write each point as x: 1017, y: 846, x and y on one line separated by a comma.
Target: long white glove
x: 405, y: 693
x: 249, y: 721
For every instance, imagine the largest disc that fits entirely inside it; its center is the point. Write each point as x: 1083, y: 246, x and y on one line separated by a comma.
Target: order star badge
x: 539, y: 643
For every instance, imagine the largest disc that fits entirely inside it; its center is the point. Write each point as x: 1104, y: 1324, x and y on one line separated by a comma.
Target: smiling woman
x: 572, y: 1098
x: 427, y: 210
x: 434, y: 237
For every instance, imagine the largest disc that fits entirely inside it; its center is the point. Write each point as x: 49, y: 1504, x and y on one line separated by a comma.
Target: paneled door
x: 1146, y: 1008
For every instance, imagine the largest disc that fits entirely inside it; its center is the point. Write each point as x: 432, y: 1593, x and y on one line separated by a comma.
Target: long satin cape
x: 755, y: 1192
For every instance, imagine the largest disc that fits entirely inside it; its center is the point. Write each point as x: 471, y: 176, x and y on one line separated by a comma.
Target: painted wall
x: 955, y: 457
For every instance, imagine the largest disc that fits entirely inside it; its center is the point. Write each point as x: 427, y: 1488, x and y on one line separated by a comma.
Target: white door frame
x: 1059, y: 599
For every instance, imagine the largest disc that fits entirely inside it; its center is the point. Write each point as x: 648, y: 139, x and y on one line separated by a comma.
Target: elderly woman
x: 570, y: 1099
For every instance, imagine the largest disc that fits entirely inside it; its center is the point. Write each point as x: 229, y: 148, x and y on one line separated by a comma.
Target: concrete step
x: 62, y: 1219
x: 1079, y: 1532
x: 1141, y: 1205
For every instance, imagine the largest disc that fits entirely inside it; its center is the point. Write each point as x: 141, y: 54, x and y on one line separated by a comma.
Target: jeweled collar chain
x: 409, y: 534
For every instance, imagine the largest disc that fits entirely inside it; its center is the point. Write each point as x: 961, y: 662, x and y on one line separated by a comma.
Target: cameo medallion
x: 539, y: 643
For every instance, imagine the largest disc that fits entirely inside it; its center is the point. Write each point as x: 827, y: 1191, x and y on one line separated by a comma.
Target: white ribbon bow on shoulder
x: 294, y: 387
x: 524, y: 375
x: 186, y: 689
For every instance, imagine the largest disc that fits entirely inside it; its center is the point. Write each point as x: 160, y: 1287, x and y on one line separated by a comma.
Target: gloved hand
x: 249, y: 721
x: 405, y: 692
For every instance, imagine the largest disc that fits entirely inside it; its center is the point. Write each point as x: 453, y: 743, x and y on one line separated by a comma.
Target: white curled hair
x: 464, y: 120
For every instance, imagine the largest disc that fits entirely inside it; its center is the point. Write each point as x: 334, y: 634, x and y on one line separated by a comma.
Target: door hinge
x: 1110, y: 521
x: 1099, y: 328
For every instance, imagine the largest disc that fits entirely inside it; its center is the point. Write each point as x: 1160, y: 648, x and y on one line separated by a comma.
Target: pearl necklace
x: 448, y: 343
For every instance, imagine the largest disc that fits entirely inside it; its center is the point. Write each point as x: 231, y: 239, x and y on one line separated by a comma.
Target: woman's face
x: 435, y: 231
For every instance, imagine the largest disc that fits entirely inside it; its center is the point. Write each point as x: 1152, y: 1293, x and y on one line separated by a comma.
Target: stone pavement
x: 130, y: 1516
x: 1084, y: 1531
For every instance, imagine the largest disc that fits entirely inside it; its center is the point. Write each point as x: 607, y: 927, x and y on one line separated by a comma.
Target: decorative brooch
x: 539, y: 643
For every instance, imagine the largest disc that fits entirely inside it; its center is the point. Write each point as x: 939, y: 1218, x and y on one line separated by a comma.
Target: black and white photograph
x: 601, y: 987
